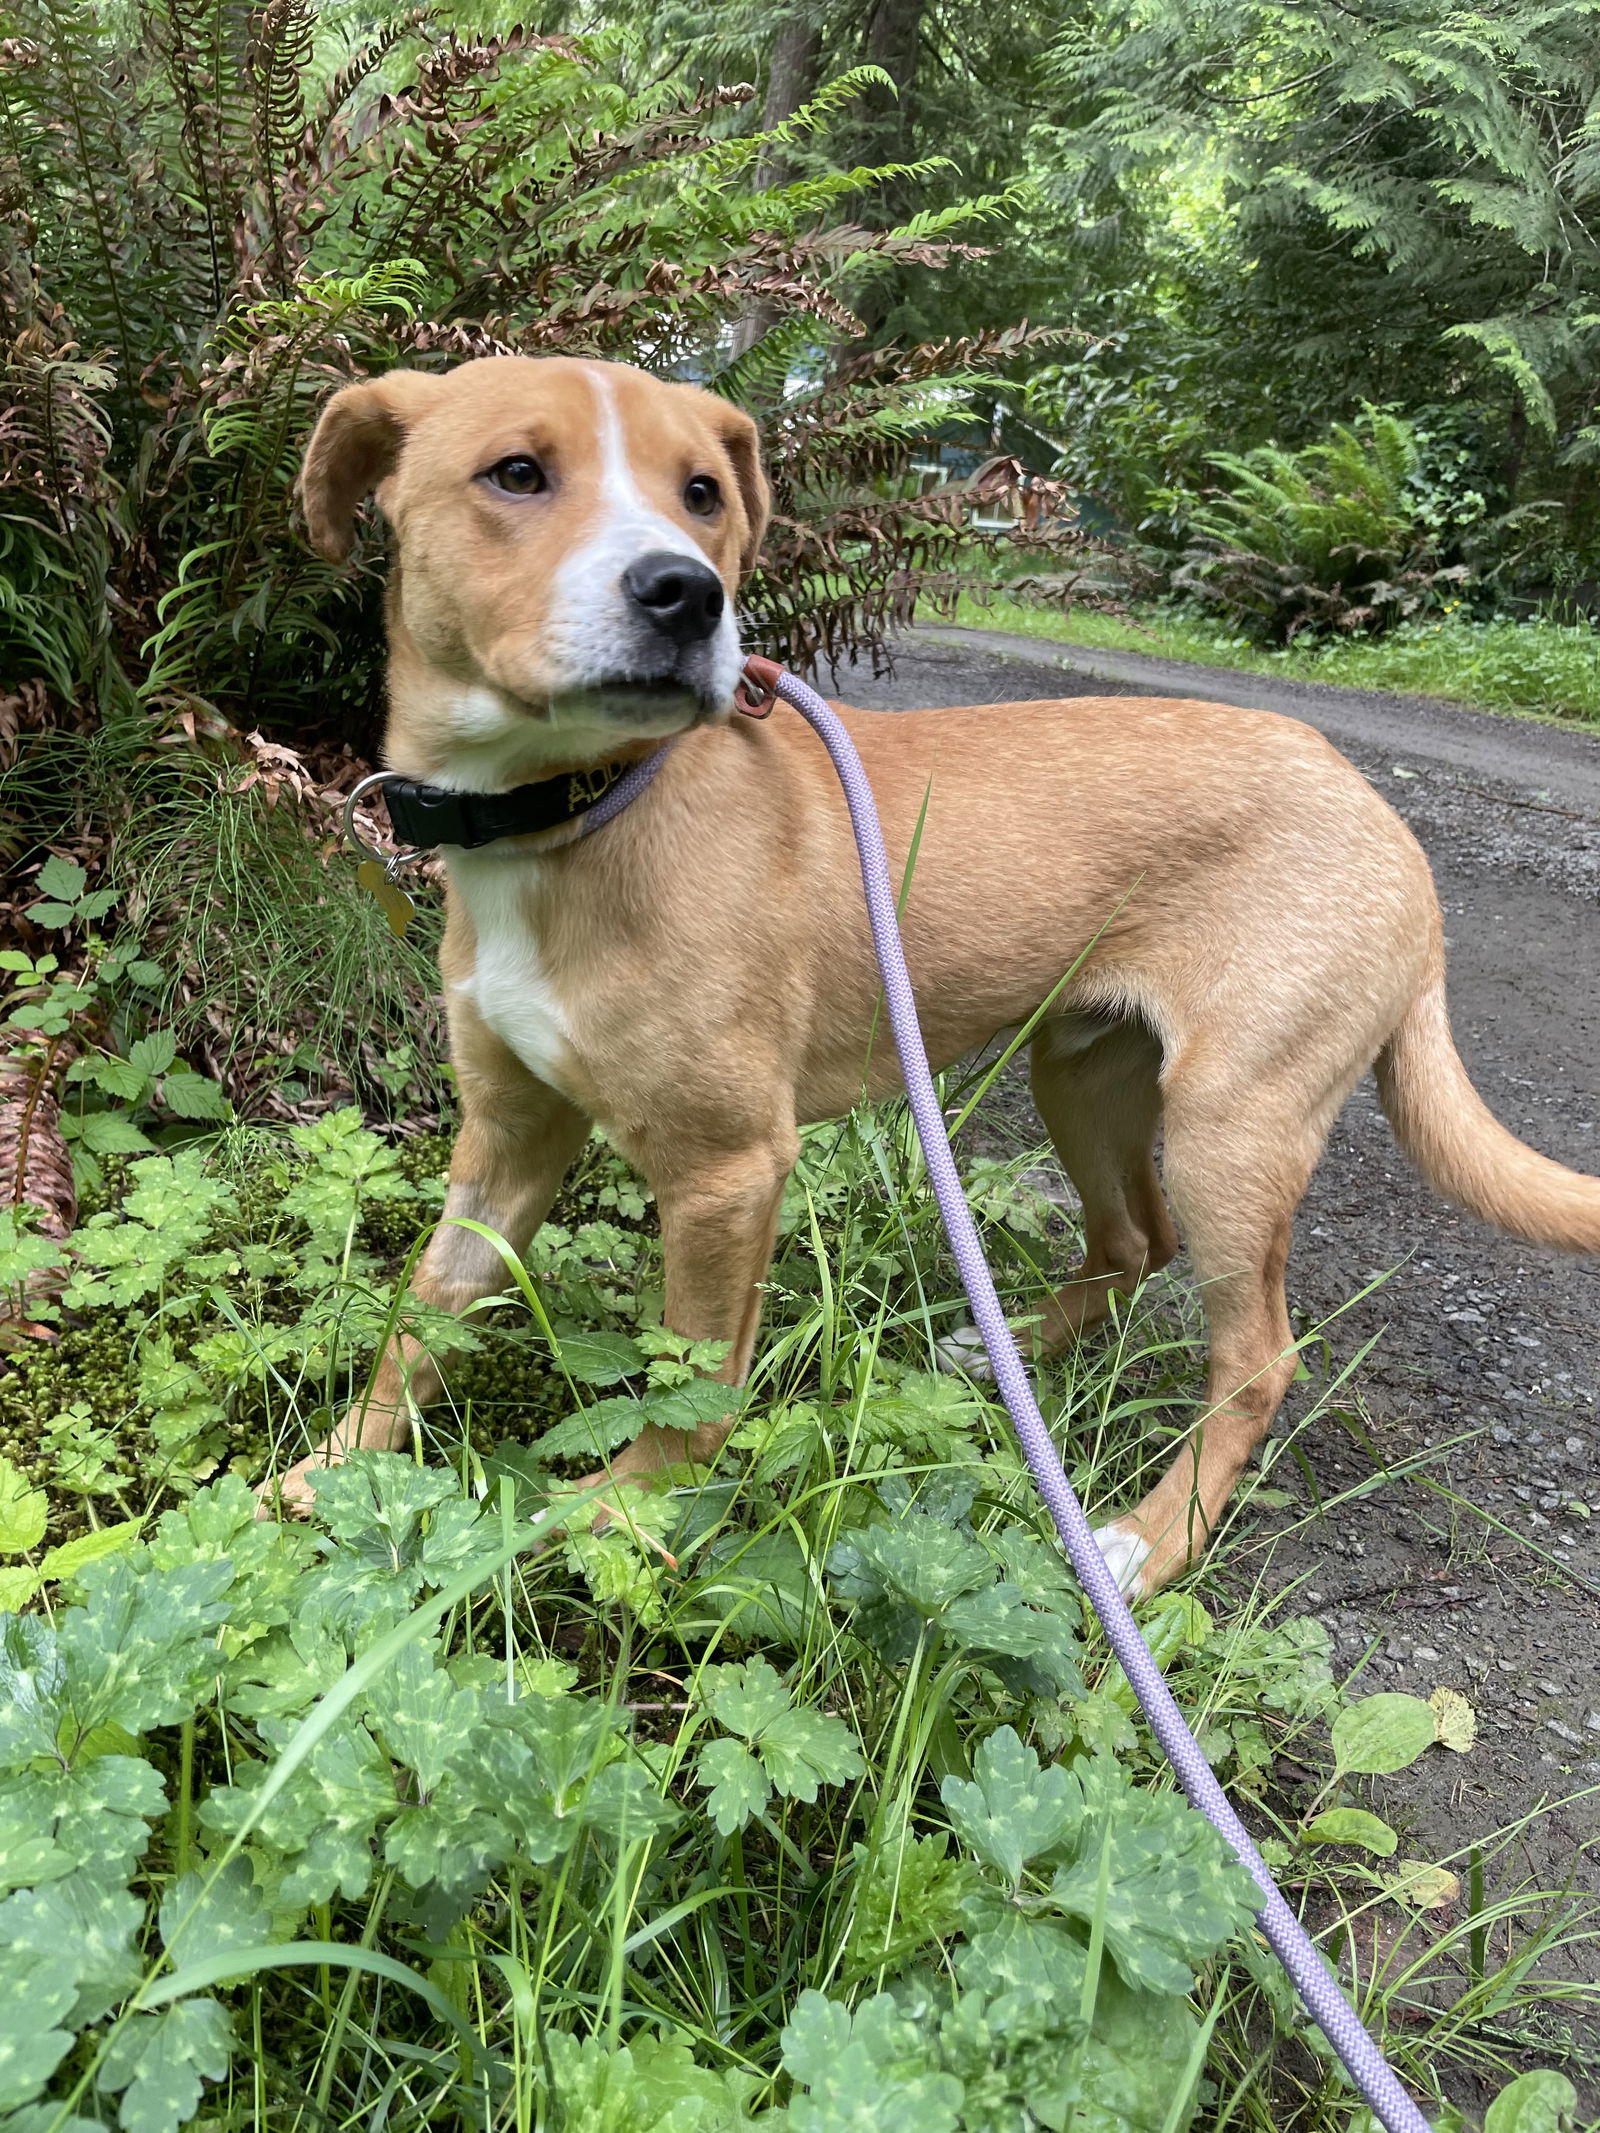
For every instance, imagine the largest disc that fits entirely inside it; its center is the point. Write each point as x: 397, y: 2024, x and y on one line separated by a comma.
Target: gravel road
x: 1481, y: 1571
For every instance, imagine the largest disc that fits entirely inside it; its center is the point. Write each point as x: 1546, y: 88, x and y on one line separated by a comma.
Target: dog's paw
x: 1126, y: 1552
x: 963, y: 1351
x: 291, y: 1495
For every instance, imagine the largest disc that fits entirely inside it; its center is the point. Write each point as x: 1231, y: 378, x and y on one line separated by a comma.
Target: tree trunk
x: 889, y: 132
x: 894, y: 35
x: 791, y: 80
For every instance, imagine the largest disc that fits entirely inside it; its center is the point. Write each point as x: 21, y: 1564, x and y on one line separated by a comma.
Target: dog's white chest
x: 509, y: 985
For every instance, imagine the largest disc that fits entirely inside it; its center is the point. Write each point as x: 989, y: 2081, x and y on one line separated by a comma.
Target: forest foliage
x: 807, y: 1794
x: 1268, y: 217
x: 216, y: 214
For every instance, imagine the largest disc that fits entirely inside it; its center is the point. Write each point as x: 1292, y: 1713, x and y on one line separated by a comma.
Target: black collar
x: 427, y: 815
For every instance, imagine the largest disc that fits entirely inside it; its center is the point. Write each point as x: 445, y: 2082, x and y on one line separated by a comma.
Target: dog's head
x: 569, y: 535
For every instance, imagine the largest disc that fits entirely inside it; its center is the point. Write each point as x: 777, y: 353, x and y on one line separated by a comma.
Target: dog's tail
x: 1462, y: 1149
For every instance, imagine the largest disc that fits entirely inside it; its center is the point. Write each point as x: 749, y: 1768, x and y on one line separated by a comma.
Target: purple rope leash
x: 1334, y: 2015
x: 626, y: 790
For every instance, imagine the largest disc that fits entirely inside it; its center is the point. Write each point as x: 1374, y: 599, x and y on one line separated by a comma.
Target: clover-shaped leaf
x: 746, y: 1699
x: 791, y: 1750
x: 142, y: 1648
x: 420, y: 1715
x: 32, y: 1684
x: 206, y: 1914
x: 648, y: 2085
x: 375, y: 1502
x: 1163, y: 1884
x: 739, y: 1786
x: 29, y: 1852
x: 36, y: 1994
x: 801, y: 1750
x: 624, y: 1801
x: 100, y: 1808
x: 925, y: 1575
x: 324, y: 1819
x: 922, y: 1562
x: 82, y: 1921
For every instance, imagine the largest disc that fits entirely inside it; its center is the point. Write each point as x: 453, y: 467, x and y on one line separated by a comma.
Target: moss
x: 506, y: 1389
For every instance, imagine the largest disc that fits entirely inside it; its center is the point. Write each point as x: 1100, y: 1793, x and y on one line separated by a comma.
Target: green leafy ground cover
x: 1546, y: 668
x: 810, y: 1796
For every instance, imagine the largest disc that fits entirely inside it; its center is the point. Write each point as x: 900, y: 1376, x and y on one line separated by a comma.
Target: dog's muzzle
x: 678, y: 597
x: 674, y: 633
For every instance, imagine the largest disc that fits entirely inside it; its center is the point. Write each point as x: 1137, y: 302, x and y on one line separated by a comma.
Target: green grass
x: 813, y: 1798
x: 1543, y: 668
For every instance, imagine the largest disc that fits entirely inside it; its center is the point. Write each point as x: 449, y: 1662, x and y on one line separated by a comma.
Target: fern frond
x: 202, y: 57
x: 762, y: 373
x: 58, y: 519
x: 76, y: 127
x: 727, y: 158
x: 276, y: 59
x: 343, y: 84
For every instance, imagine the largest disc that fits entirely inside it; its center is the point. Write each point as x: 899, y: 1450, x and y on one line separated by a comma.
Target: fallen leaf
x: 1424, y: 1887
x: 1455, y: 1723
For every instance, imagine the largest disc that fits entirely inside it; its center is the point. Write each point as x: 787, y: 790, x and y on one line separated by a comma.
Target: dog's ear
x: 742, y: 442
x: 355, y: 444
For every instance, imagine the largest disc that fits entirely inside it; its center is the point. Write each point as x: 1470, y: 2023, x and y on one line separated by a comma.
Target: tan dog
x: 697, y: 976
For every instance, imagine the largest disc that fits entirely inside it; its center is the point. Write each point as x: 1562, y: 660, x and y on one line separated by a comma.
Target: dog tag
x: 393, y: 901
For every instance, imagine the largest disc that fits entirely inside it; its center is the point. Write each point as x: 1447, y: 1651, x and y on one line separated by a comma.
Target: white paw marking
x: 963, y: 1351
x: 1126, y: 1552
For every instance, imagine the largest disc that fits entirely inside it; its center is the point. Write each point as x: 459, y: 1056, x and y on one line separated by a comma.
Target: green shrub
x: 218, y: 216
x: 215, y: 216
x: 1329, y: 536
x: 809, y: 1795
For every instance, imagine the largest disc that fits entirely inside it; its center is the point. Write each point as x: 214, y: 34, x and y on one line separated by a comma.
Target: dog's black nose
x: 681, y: 598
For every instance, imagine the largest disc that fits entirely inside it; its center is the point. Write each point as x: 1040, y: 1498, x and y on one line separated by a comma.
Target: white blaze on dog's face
x: 569, y: 536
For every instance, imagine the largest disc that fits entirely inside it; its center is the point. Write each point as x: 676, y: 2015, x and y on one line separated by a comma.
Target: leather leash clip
x: 757, y: 689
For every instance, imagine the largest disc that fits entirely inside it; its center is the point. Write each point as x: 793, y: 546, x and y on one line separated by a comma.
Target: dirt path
x: 1484, y: 1571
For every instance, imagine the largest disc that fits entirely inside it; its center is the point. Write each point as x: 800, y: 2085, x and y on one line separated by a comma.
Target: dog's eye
x: 518, y: 476
x: 701, y: 496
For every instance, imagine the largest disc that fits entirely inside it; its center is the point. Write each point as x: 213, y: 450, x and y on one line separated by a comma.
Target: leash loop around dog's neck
x: 1293, y: 1946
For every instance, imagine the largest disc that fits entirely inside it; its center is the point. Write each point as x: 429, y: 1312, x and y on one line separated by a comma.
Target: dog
x: 1249, y: 927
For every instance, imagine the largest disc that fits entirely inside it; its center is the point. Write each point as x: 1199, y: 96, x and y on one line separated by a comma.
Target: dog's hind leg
x: 1101, y: 1106
x: 1099, y: 1095
x: 1239, y: 1151
x: 517, y: 1141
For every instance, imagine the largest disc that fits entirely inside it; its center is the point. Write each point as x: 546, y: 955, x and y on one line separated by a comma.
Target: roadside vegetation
x: 809, y: 1795
x: 1547, y: 668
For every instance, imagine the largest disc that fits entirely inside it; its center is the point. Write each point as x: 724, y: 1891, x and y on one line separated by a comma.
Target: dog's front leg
x: 515, y: 1147
x: 719, y: 1218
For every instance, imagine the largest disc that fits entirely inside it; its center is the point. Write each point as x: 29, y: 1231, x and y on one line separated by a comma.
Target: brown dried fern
x: 35, y: 1171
